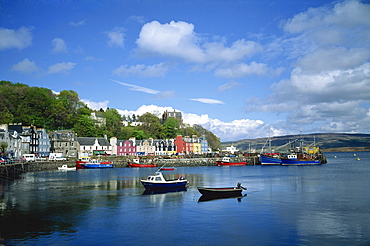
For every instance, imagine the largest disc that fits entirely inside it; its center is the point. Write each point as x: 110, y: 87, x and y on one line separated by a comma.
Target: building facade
x: 65, y: 142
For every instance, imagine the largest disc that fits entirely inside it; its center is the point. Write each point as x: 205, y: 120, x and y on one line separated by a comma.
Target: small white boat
x: 158, y: 182
x: 65, y: 167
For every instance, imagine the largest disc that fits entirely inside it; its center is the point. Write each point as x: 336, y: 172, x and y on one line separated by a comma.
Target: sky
x: 242, y: 69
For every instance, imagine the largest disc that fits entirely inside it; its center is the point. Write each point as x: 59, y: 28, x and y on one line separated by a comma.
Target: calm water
x: 299, y: 205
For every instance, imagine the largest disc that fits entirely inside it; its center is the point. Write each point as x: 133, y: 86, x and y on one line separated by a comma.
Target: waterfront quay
x: 14, y: 170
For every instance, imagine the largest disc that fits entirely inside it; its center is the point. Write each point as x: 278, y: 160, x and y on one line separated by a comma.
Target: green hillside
x: 328, y: 142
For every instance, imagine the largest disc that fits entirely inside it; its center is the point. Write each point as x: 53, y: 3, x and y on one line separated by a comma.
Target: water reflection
x: 205, y: 198
x: 163, y: 191
x: 285, y: 206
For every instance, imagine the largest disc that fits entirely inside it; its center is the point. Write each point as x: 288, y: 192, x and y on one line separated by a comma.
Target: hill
x: 328, y: 142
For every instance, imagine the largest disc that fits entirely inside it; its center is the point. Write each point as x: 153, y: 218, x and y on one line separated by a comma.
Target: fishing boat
x: 222, y: 192
x: 158, y: 182
x: 294, y: 159
x: 93, y: 163
x: 66, y: 168
x: 302, y: 155
x: 136, y: 163
x: 269, y: 158
x: 227, y: 162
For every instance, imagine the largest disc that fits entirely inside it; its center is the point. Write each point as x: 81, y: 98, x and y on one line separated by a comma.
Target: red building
x: 180, y: 145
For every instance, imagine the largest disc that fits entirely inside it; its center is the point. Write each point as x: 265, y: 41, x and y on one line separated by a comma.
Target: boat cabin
x: 292, y: 157
x: 157, y: 177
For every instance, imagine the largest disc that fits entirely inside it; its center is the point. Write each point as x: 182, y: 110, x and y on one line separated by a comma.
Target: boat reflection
x: 163, y: 191
x: 205, y: 198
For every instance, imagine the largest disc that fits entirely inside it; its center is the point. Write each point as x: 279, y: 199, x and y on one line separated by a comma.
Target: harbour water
x: 283, y: 205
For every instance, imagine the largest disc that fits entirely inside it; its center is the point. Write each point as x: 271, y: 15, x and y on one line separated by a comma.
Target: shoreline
x: 15, y: 170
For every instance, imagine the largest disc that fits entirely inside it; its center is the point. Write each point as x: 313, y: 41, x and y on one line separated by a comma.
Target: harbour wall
x: 15, y: 170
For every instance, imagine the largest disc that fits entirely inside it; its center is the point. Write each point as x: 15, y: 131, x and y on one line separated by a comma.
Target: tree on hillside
x: 171, y: 128
x: 213, y: 141
x: 85, y: 126
x: 189, y: 131
x: 151, y: 124
x: 113, y: 122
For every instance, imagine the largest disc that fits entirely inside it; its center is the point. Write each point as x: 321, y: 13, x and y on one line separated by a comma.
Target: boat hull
x: 222, y: 163
x: 162, y: 191
x: 221, y: 192
x: 297, y: 162
x: 141, y: 165
x: 269, y: 160
x: 175, y: 184
x: 167, y: 168
x: 66, y: 168
x: 87, y: 165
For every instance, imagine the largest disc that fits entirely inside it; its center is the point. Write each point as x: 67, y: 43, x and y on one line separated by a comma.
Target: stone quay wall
x: 14, y: 170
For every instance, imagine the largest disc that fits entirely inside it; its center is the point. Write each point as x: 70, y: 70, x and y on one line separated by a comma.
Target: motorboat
x: 226, y: 161
x: 93, y: 163
x: 158, y: 182
x: 66, y: 168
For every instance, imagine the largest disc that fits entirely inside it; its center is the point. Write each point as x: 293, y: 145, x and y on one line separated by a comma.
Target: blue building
x: 44, y: 142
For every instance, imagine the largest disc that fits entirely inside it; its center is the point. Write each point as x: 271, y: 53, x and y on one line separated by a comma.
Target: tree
x: 71, y: 103
x: 213, y: 141
x: 171, y: 128
x: 151, y: 125
x: 3, y: 146
x: 85, y: 126
x: 113, y: 122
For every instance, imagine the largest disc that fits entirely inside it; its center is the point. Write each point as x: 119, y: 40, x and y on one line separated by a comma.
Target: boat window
x: 158, y: 179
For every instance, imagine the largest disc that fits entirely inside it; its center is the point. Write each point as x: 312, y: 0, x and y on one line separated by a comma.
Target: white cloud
x: 137, y: 88
x: 333, y: 58
x: 329, y: 85
x: 165, y: 94
x: 157, y: 70
x: 116, y: 37
x: 207, y: 100
x: 138, y: 19
x: 59, y: 46
x: 20, y: 39
x: 179, y: 40
x: 238, y: 50
x: 95, y: 105
x: 241, y: 70
x: 78, y: 23
x: 156, y: 110
x: 229, y: 86
x: 175, y: 39
x: 344, y: 23
x: 62, y: 67
x: 25, y: 66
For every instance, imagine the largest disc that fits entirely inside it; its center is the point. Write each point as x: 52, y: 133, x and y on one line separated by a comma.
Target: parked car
x: 7, y: 159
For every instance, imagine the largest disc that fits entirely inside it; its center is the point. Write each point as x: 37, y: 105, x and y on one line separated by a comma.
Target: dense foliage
x: 20, y: 103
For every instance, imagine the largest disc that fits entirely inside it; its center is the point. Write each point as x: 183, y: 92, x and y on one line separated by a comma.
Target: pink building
x: 126, y: 147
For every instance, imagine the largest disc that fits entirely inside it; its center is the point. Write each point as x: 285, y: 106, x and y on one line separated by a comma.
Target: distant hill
x: 328, y: 142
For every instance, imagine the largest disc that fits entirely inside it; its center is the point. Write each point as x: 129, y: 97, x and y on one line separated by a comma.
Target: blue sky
x: 241, y: 69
